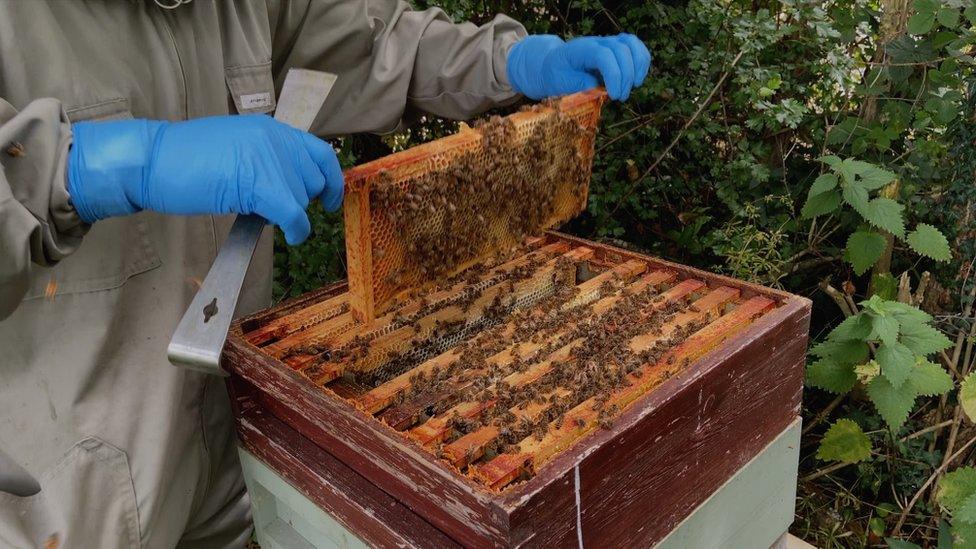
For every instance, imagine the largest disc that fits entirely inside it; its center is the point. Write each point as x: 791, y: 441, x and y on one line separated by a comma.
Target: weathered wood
x: 732, y: 389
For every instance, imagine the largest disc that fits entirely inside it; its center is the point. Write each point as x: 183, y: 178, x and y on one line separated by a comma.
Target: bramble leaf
x: 864, y: 248
x: 843, y: 352
x: 928, y: 241
x: 893, y: 403
x: 830, y: 376
x: 846, y: 442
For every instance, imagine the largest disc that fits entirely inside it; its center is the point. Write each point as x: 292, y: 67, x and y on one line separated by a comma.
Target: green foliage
x: 967, y: 396
x: 846, y: 442
x: 957, y: 494
x: 885, y: 347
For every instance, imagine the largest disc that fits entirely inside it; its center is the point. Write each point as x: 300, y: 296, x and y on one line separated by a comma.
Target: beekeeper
x: 117, y: 156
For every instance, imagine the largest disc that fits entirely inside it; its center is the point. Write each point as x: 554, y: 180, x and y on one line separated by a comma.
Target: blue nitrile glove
x: 250, y: 164
x: 543, y: 65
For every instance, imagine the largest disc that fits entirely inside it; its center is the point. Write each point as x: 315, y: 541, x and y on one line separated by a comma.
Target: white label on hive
x: 256, y: 100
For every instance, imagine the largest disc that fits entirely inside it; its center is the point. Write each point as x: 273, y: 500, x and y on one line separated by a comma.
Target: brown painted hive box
x: 563, y: 389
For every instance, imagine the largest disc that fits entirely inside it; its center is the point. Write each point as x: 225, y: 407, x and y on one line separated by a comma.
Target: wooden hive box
x: 403, y: 462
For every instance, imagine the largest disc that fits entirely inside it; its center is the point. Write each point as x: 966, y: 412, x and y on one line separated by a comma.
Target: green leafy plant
x: 852, y: 182
x: 885, y: 348
x: 957, y: 494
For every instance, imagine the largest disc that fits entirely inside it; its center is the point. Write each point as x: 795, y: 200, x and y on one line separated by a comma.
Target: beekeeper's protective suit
x: 102, y: 442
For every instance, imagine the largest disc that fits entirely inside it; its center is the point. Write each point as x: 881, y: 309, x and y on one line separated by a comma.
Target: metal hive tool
x: 419, y: 216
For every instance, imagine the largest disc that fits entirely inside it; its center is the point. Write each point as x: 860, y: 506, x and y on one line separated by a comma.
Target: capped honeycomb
x: 499, y: 369
x: 417, y: 217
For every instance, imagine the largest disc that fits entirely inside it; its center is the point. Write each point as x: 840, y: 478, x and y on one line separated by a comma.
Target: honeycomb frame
x: 381, y: 266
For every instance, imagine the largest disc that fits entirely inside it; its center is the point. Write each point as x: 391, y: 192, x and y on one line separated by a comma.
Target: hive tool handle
x: 199, y: 338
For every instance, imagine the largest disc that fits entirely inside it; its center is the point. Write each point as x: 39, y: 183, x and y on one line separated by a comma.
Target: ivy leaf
x: 830, y: 376
x: 893, y: 403
x: 967, y: 396
x: 930, y: 379
x: 923, y: 339
x: 846, y: 442
x: 928, y: 241
x: 896, y: 362
x: 843, y: 352
x: 864, y: 248
x: 821, y: 204
x: 856, y: 196
x: 853, y: 327
x: 885, y: 213
x: 822, y: 184
x: 956, y: 487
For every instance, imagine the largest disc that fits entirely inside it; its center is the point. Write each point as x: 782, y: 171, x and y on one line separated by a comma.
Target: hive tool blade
x: 199, y: 338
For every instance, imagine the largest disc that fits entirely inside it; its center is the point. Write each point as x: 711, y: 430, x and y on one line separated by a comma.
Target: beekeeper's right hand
x: 249, y: 164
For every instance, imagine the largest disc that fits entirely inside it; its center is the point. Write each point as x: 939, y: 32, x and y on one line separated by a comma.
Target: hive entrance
x: 417, y: 217
x: 497, y: 372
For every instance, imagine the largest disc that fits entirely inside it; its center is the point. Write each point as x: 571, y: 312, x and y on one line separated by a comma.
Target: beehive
x: 431, y: 211
x: 476, y: 397
x: 526, y: 390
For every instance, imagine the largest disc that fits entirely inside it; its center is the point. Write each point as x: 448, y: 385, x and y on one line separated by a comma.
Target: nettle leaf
x: 885, y: 327
x: 846, y: 442
x: 885, y: 213
x: 896, y: 362
x: 893, y: 403
x: 967, y: 396
x: 956, y: 487
x: 822, y: 184
x: 930, y: 379
x: 853, y: 327
x: 831, y: 160
x: 843, y: 352
x: 864, y: 248
x: 821, y: 204
x: 906, y: 313
x: 930, y: 242
x: 966, y: 512
x: 964, y: 535
x: 856, y: 196
x: 830, y: 376
x: 885, y: 285
x: 970, y: 12
x: 873, y: 177
x: 923, y: 339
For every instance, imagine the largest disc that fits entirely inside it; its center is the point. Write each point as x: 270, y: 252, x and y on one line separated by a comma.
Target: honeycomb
x: 498, y: 371
x: 417, y: 217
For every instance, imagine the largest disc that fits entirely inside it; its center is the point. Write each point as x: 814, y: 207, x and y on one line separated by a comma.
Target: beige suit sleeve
x: 393, y: 63
x: 37, y: 222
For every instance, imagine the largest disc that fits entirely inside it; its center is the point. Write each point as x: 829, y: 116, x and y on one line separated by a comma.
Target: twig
x: 825, y: 471
x: 839, y: 298
x: 681, y: 132
x: 931, y: 479
x: 823, y: 414
x: 929, y: 429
